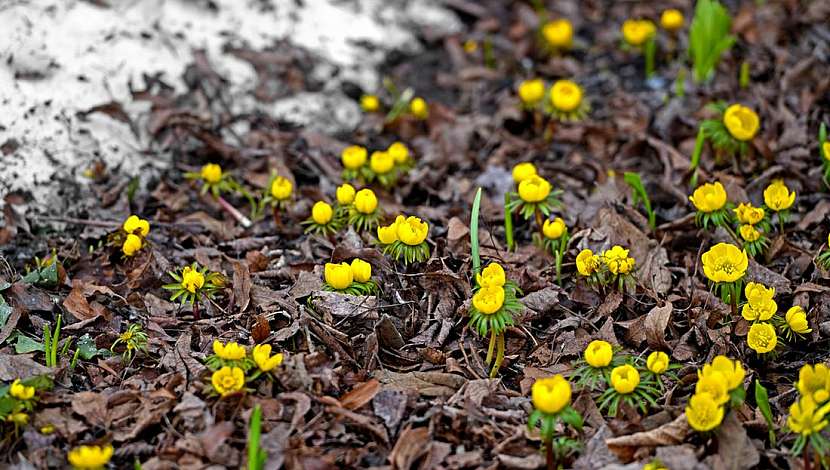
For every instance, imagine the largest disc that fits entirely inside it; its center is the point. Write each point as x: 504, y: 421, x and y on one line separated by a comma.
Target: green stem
x: 732, y: 234
x: 650, y: 48
x: 508, y: 223
x: 490, y: 348
x: 499, y: 355
x: 540, y: 223
x: 736, y: 292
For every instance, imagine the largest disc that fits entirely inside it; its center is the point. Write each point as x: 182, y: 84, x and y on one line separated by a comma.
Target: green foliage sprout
x: 709, y: 38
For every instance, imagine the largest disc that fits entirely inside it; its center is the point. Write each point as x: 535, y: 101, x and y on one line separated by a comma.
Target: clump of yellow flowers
x: 193, y: 284
x: 534, y: 196
x: 90, y: 457
x: 732, y: 131
x: 18, y: 400
x: 551, y: 397
x: 779, y: 199
x: 353, y: 279
x: 132, y: 236
x: 725, y: 266
x: 384, y: 166
x: 494, y: 305
x: 614, y: 267
x: 760, y: 309
x: 230, y: 354
x: 230, y: 362
x: 405, y: 239
x: 808, y: 415
x: 719, y: 384
x: 323, y: 220
x: 752, y: 227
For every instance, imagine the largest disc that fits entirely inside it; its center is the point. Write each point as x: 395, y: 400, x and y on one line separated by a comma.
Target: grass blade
x: 762, y: 400
x: 474, y: 246
x: 636, y: 183
x: 508, y: 222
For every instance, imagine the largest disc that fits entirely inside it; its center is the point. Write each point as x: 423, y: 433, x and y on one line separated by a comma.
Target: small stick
x: 244, y: 221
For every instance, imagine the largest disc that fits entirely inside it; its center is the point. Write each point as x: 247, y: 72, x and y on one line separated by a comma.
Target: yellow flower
x: 551, y: 394
x: 399, y: 152
x: 797, y: 320
x: 531, y: 92
x: 657, y: 362
x: 554, y: 229
x: 757, y: 293
x: 654, y: 465
x: 534, y: 189
x: 565, y: 95
x: 587, y: 262
x: 228, y: 380
x: 131, y: 245
x: 715, y: 385
x: 369, y: 103
x: 814, y: 382
x: 381, y: 162
x: 192, y: 280
x: 599, y: 353
x: 133, y: 224
x: 470, y: 46
x: 212, y: 173
x: 388, y: 235
x: 724, y: 262
x: 637, y: 32
x: 762, y: 338
x: 806, y: 418
x: 229, y: 352
x: 492, y: 275
x: 778, y: 197
x: 263, y: 359
x: 825, y: 147
x: 523, y: 171
x: 703, y: 413
x: 18, y: 418
x: 89, y: 457
x: 749, y: 233
x: 709, y: 197
x: 625, y: 379
x: 338, y: 276
x: 418, y: 107
x: 365, y: 201
x: 361, y: 270
x: 558, y: 33
x: 733, y: 371
x: 741, y: 122
x: 353, y: 157
x: 412, y: 231
x: 488, y: 300
x: 618, y: 261
x: 47, y: 429
x: 20, y: 391
x: 747, y: 214
x: 281, y: 188
x: 345, y: 194
x: 321, y: 213
x: 761, y: 310
x: 671, y: 20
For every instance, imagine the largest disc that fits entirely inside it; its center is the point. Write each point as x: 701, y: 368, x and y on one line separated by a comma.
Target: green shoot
x: 489, y: 56
x: 474, y: 245
x: 401, y: 105
x: 743, y: 78
x: 508, y: 223
x: 680, y: 83
x: 639, y: 194
x: 256, y: 456
x: 762, y: 400
x: 709, y: 38
x: 699, y: 141
x: 650, y: 51
x: 50, y: 342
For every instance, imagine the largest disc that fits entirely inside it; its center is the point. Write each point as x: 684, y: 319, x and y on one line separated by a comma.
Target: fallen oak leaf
x: 657, y: 319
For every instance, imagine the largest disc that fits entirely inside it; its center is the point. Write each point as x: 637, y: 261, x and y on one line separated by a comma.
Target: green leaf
x: 87, y: 349
x: 474, y: 246
x: 709, y: 38
x: 256, y: 456
x: 762, y: 400
x: 25, y: 345
x: 636, y: 183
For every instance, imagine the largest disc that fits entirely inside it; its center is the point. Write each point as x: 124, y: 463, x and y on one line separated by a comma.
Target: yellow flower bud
x: 361, y: 270
x: 353, y: 157
x: 618, y: 261
x: 553, y: 229
x: 531, y: 92
x: 599, y: 353
x: 131, y: 245
x: 825, y: 147
x: 339, y: 276
x: 709, y: 197
x: 657, y: 362
x: 758, y: 294
x: 388, y: 235
x: 637, y: 32
x: 212, y: 173
x: 778, y: 197
x: 381, y: 162
x: 136, y: 226
x: 20, y: 391
x: 523, y: 171
x: 625, y: 379
x: 551, y: 394
x: 814, y: 382
x: 321, y: 213
x: 345, y: 194
x: 534, y: 189
x: 365, y: 201
x: 412, y: 231
x: 281, y: 188
x: 741, y: 122
x: 488, y: 300
x: 399, y: 152
x: 418, y: 107
x: 492, y: 275
x: 671, y: 20
x: 558, y: 33
x: 369, y: 103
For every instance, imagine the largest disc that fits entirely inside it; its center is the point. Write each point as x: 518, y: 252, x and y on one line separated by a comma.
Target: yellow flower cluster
x: 760, y: 305
x: 807, y: 414
x: 410, y: 231
x: 716, y: 382
x: 750, y: 218
x: 565, y: 100
x: 20, y: 391
x: 615, y: 260
x: 230, y: 361
x: 136, y: 230
x: 551, y: 395
x: 383, y: 165
x: 341, y: 276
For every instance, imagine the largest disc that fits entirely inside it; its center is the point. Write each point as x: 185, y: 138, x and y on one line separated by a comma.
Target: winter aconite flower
x: 531, y: 92
x: 709, y: 197
x: 553, y: 229
x: 671, y: 20
x: 618, y: 261
x: 565, y: 96
x: 365, y: 201
x: 229, y: 352
x: 599, y: 353
x: 762, y: 338
x: 399, y: 152
x: 381, y: 162
x: 228, y: 380
x: 353, y: 157
x: 523, y: 171
x: 625, y: 379
x: 657, y: 362
x: 388, y: 235
x: 551, y: 394
x: 419, y: 108
x: 757, y: 293
x: 89, y: 457
x: 488, y: 300
x: 759, y: 311
x: 732, y: 371
x: 637, y: 32
x: 587, y: 263
x: 361, y: 270
x: 806, y: 417
x: 281, y: 188
x: 778, y: 197
x: 749, y: 233
x: 211, y: 173
x: 703, y: 413
x: 405, y: 238
x: 369, y: 103
x: 741, y: 122
x: 321, y: 213
x: 747, y: 214
x: 796, y: 320
x: 492, y: 276
x: 20, y: 391
x: 345, y: 194
x: 263, y: 358
x: 412, y: 231
x: 714, y: 384
x: 132, y: 244
x: 534, y: 189
x: 724, y: 262
x: 338, y: 276
x: 558, y: 34
x: 193, y: 284
x: 137, y: 226
x: 814, y: 382
x: 192, y: 279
